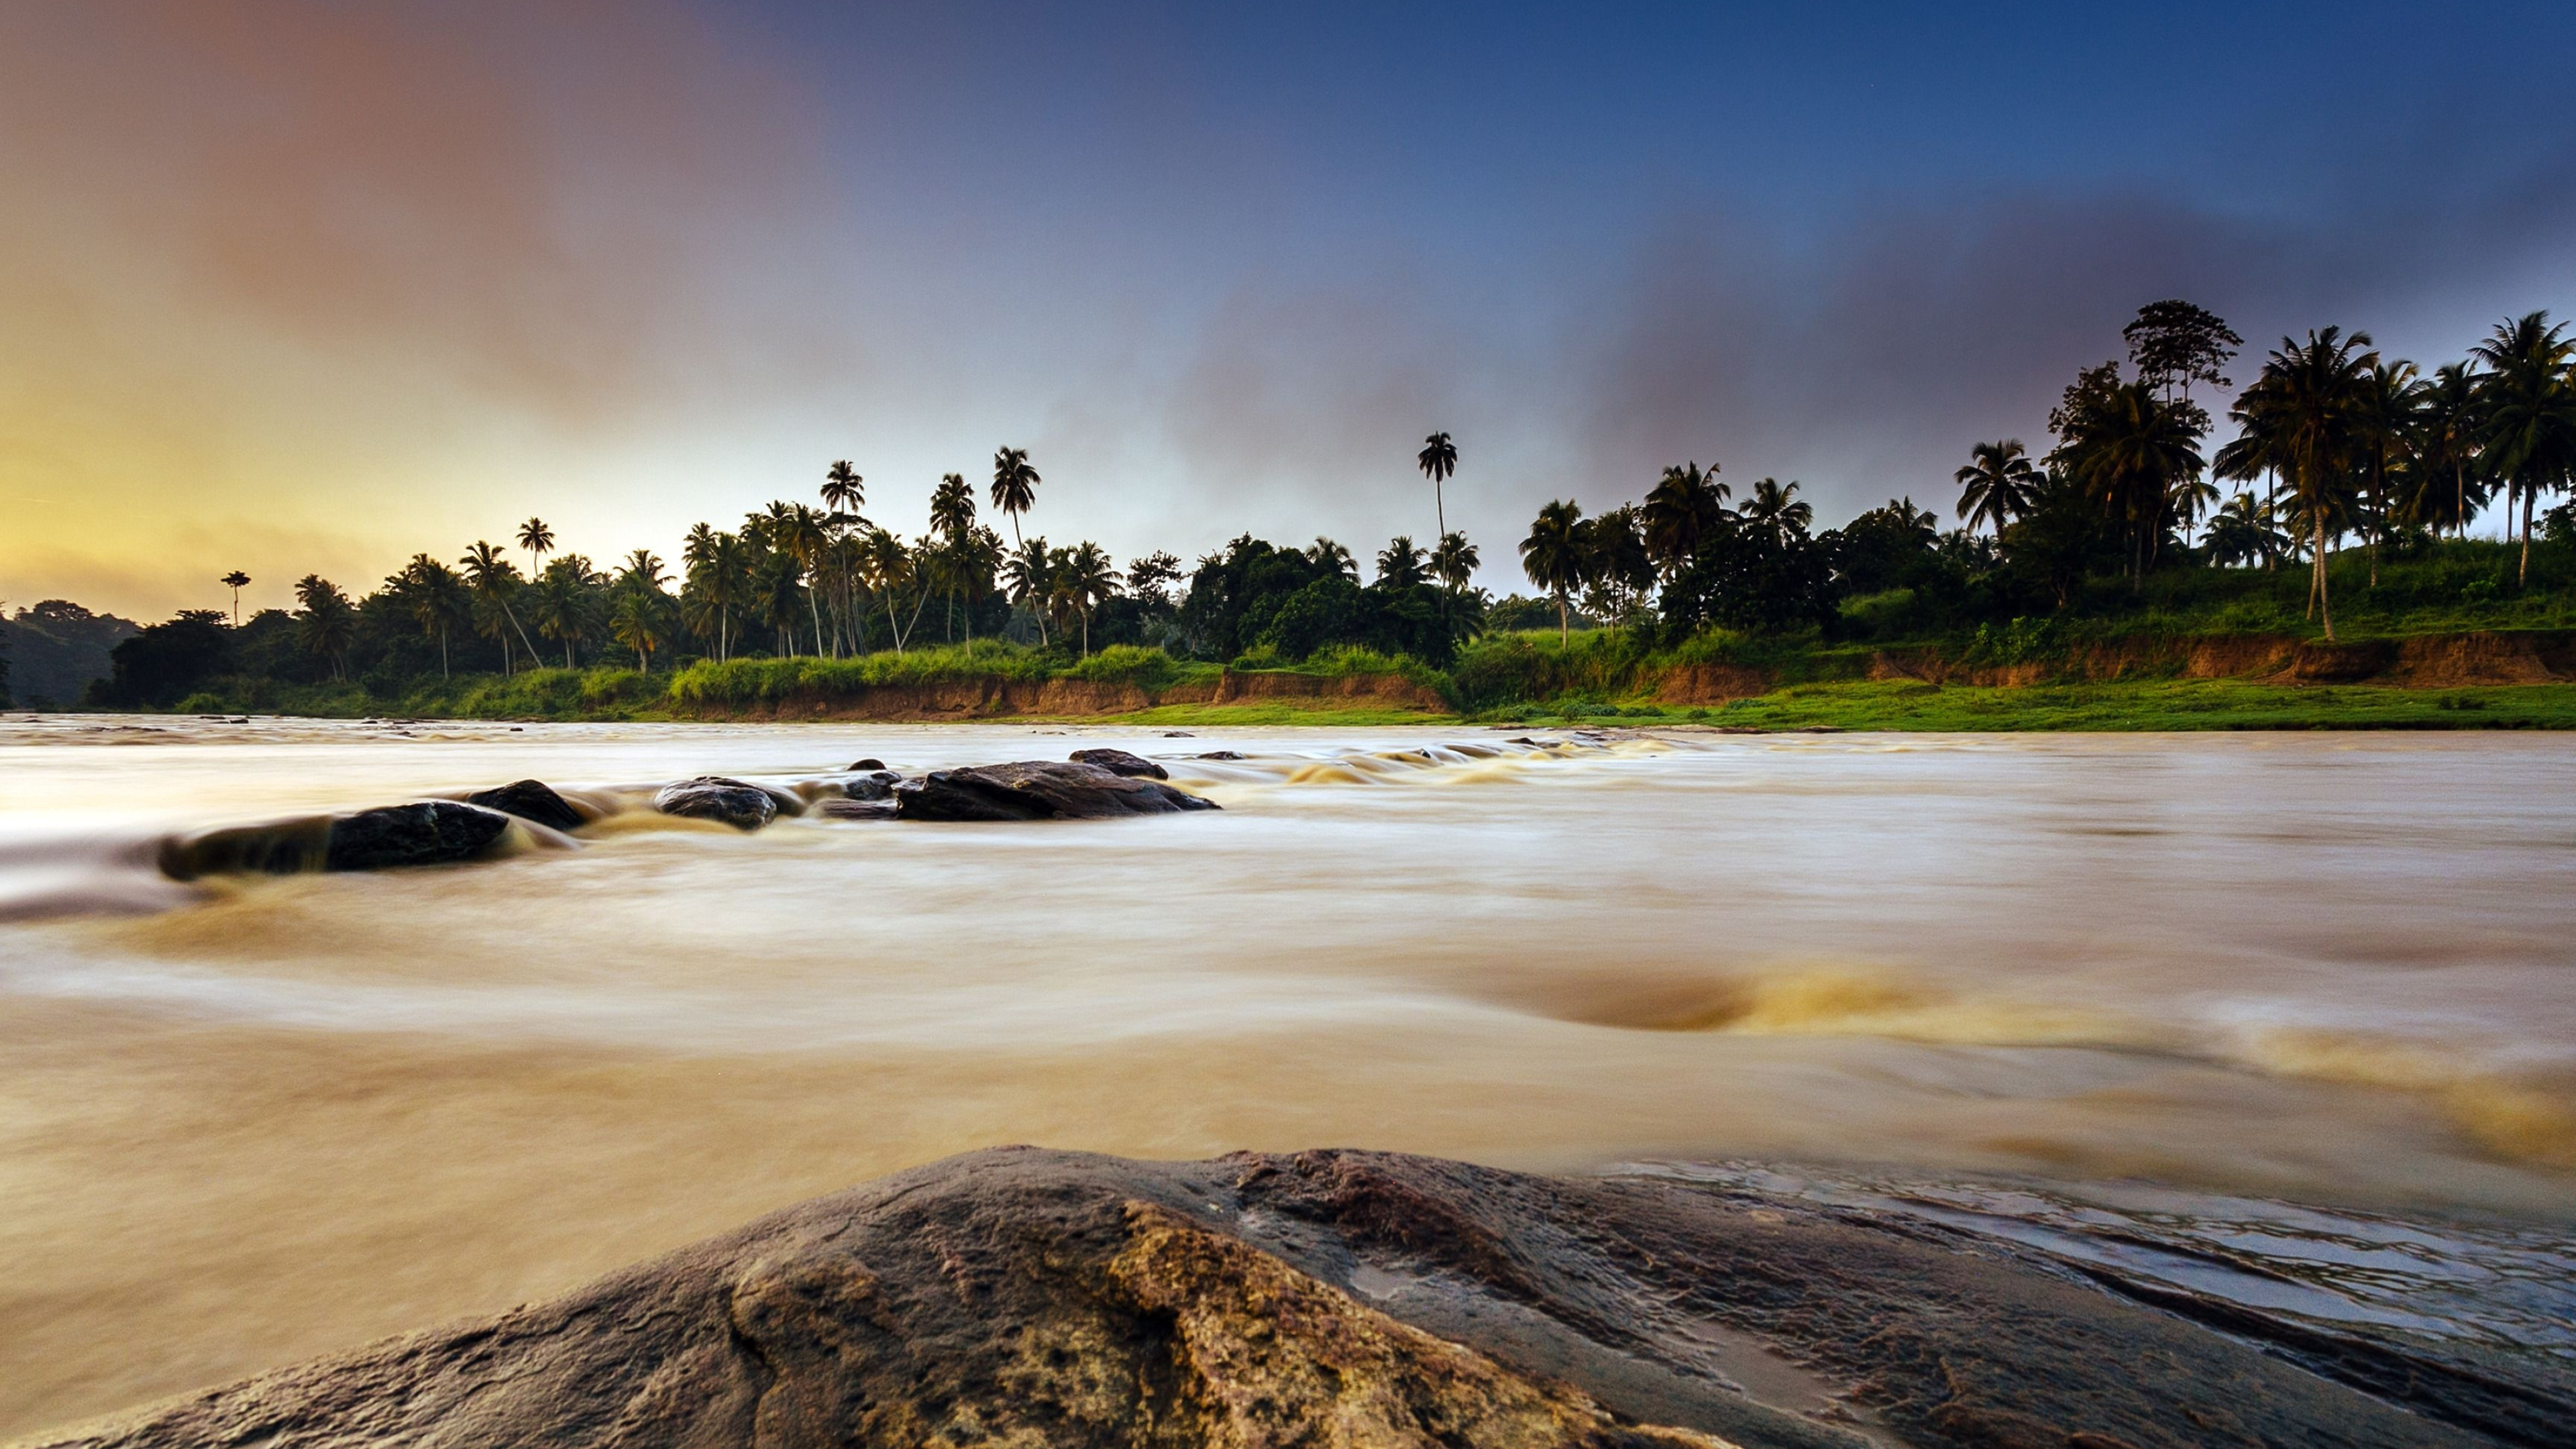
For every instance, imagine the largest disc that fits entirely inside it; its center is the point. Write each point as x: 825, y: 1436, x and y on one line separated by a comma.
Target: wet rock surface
x: 875, y: 785
x: 1120, y: 762
x: 428, y: 832
x: 1025, y: 1297
x: 530, y: 800
x: 1038, y: 790
x: 714, y: 797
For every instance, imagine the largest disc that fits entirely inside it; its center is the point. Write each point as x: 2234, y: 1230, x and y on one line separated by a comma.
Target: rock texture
x: 530, y: 800
x: 1038, y: 790
x: 1119, y: 762
x: 1338, y: 1300
x: 875, y: 785
x: 429, y: 832
x: 713, y: 797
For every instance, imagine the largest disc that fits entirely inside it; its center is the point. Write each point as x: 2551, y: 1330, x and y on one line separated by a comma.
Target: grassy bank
x: 2162, y: 672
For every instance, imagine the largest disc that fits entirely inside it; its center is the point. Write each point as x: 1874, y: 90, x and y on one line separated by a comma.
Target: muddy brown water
x: 246, y: 1122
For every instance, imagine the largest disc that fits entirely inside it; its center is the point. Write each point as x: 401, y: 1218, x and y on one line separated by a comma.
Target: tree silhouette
x: 1553, y: 557
x: 1997, y: 486
x: 1438, y: 460
x: 2530, y: 407
x: 538, y: 540
x: 1015, y: 485
x: 235, y: 581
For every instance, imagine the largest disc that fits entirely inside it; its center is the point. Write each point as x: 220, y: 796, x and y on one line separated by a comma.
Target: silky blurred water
x: 247, y: 1121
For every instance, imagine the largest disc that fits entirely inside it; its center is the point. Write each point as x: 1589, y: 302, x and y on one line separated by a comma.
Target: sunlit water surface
x: 252, y: 1121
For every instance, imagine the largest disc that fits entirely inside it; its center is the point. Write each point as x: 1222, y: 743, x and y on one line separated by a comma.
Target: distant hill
x: 55, y: 649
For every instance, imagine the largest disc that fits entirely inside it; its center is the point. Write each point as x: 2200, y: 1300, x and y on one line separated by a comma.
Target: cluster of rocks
x: 1094, y: 784
x: 1022, y: 1297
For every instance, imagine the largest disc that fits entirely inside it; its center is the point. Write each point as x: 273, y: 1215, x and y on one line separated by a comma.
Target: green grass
x: 2178, y: 704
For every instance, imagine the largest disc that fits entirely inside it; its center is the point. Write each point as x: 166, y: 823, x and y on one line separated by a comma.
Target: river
x: 248, y: 1121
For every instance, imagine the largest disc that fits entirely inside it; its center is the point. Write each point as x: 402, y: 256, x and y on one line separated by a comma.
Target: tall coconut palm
x: 2530, y: 412
x: 1454, y: 561
x: 235, y: 581
x: 1775, y: 507
x: 1997, y: 486
x: 328, y: 623
x: 564, y: 602
x: 1090, y: 580
x: 804, y: 535
x: 1015, y: 485
x: 1028, y: 575
x: 889, y: 568
x: 2241, y: 532
x: 2383, y: 414
x: 2309, y: 398
x: 1554, y: 556
x: 2129, y: 449
x: 844, y: 491
x: 637, y: 624
x: 1685, y: 507
x: 492, y: 579
x: 538, y: 540
x: 1438, y: 461
x: 2442, y: 451
x: 437, y: 600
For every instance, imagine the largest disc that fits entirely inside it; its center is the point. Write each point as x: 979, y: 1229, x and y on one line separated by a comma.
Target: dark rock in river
x: 1218, y: 755
x: 1037, y: 790
x: 1340, y: 1300
x: 855, y: 810
x: 713, y: 797
x: 870, y: 763
x: 431, y: 832
x: 1119, y: 762
x: 877, y: 785
x: 530, y: 800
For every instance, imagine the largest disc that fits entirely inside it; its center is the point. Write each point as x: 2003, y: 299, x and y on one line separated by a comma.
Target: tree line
x: 2344, y: 443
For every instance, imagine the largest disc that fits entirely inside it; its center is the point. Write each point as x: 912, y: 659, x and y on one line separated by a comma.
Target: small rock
x: 870, y: 763
x: 1178, y: 735
x: 1119, y: 762
x: 855, y: 810
x: 714, y: 797
x: 1218, y: 755
x: 877, y: 785
x: 1038, y: 790
x: 530, y: 800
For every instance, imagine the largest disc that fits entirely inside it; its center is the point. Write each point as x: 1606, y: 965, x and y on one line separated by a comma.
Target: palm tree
x: 844, y: 491
x: 1029, y: 576
x: 1774, y: 505
x: 2309, y: 399
x: 2129, y: 449
x: 1617, y: 562
x: 2241, y: 531
x: 235, y: 581
x: 1685, y: 507
x: 1438, y: 460
x: 1998, y: 485
x: 777, y: 587
x: 492, y: 579
x: 637, y: 624
x: 1015, y: 485
x: 803, y: 535
x: 437, y: 600
x: 889, y: 569
x: 538, y: 540
x: 2442, y: 448
x: 1091, y: 580
x: 329, y: 623
x: 2530, y: 411
x: 2385, y: 413
x: 1554, y: 556
x: 1454, y: 561
x: 1332, y: 558
x: 1399, y: 564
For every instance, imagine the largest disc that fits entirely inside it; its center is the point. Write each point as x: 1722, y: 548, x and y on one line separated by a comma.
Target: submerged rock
x: 1341, y: 1300
x: 1219, y: 755
x: 855, y: 810
x: 1119, y: 762
x: 429, y: 832
x: 530, y: 800
x: 870, y: 763
x: 714, y: 797
x: 1038, y: 790
x: 875, y: 785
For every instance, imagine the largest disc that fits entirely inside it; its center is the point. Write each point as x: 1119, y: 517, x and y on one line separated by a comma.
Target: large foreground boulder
x: 428, y: 832
x: 1038, y: 790
x: 530, y: 800
x: 714, y: 797
x: 1338, y: 1300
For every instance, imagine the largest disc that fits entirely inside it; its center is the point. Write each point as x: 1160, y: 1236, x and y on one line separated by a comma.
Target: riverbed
x: 243, y: 1122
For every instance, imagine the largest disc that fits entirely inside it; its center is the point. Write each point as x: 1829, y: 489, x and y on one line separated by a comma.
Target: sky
x: 311, y: 287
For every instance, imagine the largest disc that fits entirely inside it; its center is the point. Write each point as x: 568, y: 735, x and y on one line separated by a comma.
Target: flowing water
x: 243, y: 1121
